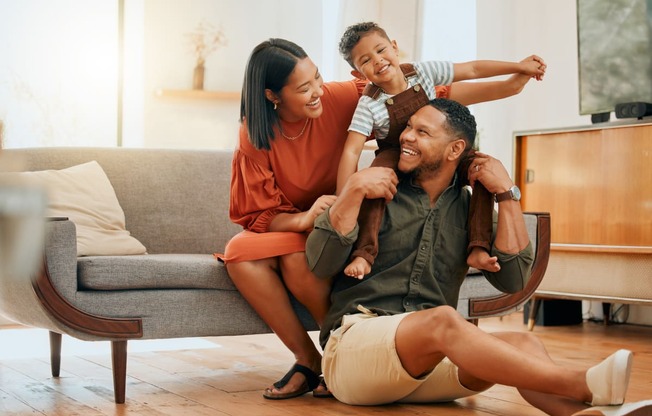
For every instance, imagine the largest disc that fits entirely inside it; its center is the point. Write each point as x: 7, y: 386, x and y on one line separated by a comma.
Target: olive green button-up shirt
x: 421, y: 261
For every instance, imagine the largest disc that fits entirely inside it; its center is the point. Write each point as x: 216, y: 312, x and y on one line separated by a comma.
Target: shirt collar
x: 409, y: 178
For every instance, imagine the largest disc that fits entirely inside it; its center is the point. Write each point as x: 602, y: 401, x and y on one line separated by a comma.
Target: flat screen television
x: 615, y: 53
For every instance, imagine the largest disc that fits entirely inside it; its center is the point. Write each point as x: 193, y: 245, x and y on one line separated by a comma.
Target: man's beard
x: 426, y: 170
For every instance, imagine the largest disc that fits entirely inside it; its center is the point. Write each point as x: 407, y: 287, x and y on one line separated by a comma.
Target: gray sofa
x: 175, y: 203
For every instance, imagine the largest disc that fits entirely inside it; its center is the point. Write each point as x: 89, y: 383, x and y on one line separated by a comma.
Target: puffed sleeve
x: 360, y: 85
x: 255, y: 198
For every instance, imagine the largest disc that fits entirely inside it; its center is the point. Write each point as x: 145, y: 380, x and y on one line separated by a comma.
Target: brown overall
x: 400, y: 107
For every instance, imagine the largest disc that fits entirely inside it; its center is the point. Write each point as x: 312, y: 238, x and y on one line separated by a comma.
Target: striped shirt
x: 371, y: 114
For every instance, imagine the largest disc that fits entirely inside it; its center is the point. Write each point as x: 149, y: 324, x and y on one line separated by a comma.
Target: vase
x: 198, y: 77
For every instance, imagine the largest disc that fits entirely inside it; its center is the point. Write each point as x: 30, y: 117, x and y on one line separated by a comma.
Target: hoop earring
x: 275, y: 105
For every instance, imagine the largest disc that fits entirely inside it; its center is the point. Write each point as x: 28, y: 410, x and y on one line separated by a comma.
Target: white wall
x: 58, y: 78
x: 168, y: 64
x: 513, y: 30
x: 447, y: 31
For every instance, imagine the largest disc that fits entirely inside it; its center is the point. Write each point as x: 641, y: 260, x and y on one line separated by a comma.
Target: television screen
x: 615, y: 53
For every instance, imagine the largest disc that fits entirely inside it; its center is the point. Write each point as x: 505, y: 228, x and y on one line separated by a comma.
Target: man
x: 395, y: 335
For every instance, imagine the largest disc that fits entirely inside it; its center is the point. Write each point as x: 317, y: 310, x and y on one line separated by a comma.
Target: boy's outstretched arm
x: 483, y: 69
x: 469, y: 93
x: 350, y: 156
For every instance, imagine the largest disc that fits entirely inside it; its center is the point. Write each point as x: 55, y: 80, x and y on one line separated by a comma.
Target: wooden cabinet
x: 596, y: 183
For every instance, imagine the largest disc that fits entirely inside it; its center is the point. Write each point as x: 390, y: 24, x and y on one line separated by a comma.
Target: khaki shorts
x: 361, y: 366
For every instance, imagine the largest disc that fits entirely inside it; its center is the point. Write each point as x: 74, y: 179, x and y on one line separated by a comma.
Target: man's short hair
x: 459, y: 120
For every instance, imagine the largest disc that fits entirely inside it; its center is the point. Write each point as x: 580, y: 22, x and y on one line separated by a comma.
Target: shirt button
x: 423, y: 248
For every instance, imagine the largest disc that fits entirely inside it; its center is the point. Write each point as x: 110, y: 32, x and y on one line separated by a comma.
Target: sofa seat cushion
x: 152, y: 271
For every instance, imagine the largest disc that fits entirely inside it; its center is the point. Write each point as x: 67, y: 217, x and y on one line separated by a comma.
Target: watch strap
x: 505, y: 196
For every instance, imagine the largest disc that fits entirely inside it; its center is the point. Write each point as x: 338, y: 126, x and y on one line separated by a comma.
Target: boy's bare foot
x: 358, y: 268
x: 480, y: 259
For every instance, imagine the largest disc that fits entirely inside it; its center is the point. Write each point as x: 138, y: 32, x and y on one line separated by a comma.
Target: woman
x: 284, y: 172
x: 293, y: 128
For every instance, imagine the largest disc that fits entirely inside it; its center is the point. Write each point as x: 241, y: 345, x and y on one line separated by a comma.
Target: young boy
x: 394, y: 93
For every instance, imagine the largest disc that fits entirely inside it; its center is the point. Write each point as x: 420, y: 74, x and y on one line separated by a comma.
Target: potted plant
x: 204, y: 40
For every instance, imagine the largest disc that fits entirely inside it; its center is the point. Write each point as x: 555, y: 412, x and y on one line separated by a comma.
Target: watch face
x: 516, y: 193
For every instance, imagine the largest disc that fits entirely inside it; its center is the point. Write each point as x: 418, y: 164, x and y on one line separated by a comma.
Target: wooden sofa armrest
x: 118, y: 330
x: 497, y: 304
x: 69, y: 315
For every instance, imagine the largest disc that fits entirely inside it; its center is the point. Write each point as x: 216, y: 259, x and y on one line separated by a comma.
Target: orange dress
x: 289, y: 177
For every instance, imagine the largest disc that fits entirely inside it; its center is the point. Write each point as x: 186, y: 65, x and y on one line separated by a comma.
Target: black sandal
x: 312, y: 381
x: 326, y: 394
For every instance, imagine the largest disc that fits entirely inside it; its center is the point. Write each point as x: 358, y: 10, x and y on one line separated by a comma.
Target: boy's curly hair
x: 352, y: 36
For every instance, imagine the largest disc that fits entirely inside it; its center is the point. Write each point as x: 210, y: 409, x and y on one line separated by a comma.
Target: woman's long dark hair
x: 269, y: 66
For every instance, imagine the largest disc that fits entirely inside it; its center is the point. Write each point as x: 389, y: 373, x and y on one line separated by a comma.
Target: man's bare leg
x: 424, y: 338
x: 550, y: 404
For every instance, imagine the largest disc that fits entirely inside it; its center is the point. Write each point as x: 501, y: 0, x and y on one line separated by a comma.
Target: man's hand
x: 490, y: 172
x: 374, y: 183
x: 511, y: 234
x: 370, y: 183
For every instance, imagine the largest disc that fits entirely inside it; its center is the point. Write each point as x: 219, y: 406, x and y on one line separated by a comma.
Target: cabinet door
x: 596, y: 184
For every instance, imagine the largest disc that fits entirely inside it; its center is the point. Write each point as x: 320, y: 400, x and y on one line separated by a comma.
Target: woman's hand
x: 319, y: 206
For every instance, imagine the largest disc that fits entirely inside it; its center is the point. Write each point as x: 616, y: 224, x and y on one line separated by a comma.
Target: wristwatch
x: 513, y: 193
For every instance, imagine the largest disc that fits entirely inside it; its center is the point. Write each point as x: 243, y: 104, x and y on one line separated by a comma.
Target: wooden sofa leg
x: 534, y: 309
x: 119, y: 360
x: 55, y: 353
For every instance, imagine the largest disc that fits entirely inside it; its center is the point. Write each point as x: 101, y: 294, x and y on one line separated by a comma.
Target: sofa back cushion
x: 174, y: 201
x: 84, y: 194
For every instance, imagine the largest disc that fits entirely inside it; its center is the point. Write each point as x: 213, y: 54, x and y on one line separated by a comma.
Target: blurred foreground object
x: 22, y: 216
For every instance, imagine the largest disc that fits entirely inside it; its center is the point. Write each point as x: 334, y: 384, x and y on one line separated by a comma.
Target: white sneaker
x: 608, y: 380
x: 643, y: 408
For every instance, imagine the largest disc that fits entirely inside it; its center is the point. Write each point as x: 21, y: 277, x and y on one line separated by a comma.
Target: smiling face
x: 376, y: 58
x: 300, y: 98
x: 425, y: 143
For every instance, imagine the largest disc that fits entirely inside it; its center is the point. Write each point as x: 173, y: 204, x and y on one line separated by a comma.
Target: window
x: 59, y: 72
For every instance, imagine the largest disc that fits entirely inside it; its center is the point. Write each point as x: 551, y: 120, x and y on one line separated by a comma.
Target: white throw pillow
x: 84, y: 194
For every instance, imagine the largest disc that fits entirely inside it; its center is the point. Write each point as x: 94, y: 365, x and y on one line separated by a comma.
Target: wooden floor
x: 226, y: 375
